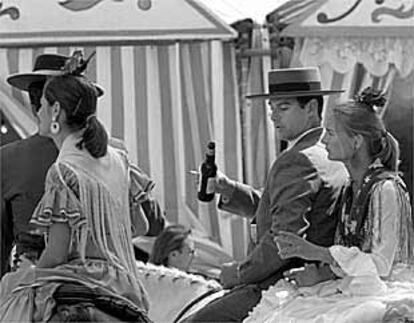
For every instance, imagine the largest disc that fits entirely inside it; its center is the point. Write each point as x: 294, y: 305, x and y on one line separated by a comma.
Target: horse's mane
x: 175, y: 275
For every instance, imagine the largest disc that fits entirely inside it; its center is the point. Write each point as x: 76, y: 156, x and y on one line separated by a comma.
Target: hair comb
x: 76, y: 64
x: 372, y: 98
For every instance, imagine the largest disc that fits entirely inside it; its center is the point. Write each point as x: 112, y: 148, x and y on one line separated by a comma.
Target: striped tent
x: 168, y: 91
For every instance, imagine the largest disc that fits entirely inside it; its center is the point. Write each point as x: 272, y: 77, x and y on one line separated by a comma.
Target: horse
x: 174, y: 294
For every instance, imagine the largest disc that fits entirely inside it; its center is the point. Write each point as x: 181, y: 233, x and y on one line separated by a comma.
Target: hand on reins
x: 291, y: 245
x: 306, y: 276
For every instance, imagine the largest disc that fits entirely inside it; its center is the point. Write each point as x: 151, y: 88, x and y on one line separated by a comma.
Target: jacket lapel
x: 311, y: 138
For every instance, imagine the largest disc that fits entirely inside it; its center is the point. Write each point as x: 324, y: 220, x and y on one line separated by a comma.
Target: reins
x: 192, y: 303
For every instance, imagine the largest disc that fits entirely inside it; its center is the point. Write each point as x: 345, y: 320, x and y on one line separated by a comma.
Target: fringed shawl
x: 98, y: 207
x: 360, y: 216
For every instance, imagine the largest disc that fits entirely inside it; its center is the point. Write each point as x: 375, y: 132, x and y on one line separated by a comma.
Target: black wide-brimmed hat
x: 294, y: 82
x: 44, y: 66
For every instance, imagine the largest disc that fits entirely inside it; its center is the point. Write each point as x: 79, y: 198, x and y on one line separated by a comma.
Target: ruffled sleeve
x: 140, y: 187
x: 140, y: 184
x: 60, y: 202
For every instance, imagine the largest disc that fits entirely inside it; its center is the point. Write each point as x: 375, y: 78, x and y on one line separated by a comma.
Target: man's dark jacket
x: 300, y: 196
x: 24, y: 165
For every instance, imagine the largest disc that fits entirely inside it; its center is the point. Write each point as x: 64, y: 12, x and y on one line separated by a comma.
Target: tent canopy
x: 233, y: 10
x: 377, y: 34
x: 394, y: 18
x: 93, y: 21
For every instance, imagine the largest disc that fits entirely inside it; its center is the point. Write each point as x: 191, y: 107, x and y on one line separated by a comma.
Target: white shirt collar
x: 293, y: 142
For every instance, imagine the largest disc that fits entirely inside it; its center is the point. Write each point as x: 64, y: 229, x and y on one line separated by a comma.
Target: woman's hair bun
x: 372, y: 98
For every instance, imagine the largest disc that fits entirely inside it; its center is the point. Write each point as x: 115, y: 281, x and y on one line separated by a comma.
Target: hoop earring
x: 54, y: 127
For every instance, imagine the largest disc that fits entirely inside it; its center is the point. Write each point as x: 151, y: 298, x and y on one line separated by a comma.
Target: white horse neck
x: 170, y: 290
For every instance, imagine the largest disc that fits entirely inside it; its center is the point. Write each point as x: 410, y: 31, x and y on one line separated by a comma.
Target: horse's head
x: 170, y: 290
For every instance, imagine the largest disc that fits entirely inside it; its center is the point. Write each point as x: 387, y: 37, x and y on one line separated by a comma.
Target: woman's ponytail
x: 389, y: 154
x: 94, y: 138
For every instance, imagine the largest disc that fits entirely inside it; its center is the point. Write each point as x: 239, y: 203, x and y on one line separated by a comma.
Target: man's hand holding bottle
x: 221, y: 184
x: 210, y: 180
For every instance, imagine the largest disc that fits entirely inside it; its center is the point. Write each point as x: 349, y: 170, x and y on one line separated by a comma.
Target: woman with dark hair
x: 374, y: 241
x: 89, y: 209
x: 173, y: 248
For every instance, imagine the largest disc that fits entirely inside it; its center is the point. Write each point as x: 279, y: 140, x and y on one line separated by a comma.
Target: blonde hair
x: 361, y: 116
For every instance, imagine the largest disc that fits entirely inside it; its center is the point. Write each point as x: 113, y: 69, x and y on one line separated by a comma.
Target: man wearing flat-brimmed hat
x: 24, y: 165
x: 300, y: 195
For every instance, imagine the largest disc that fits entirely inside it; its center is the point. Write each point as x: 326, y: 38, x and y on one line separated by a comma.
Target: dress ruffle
x: 140, y: 185
x: 59, y: 203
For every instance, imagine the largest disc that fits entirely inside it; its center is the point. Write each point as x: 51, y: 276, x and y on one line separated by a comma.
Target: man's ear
x: 312, y: 107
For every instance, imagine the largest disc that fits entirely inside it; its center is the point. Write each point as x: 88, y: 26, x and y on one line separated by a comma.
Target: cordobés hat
x: 44, y: 66
x: 294, y: 82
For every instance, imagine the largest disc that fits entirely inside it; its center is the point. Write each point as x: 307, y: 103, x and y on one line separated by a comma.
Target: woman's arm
x: 139, y: 222
x: 384, y: 203
x: 57, y: 247
x: 155, y: 216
